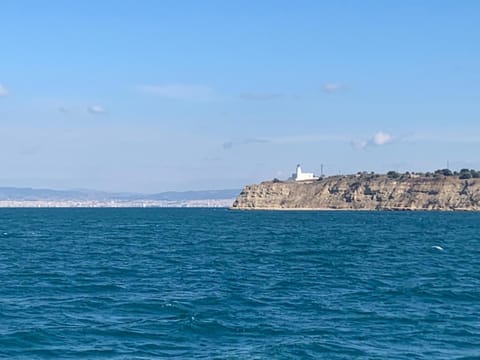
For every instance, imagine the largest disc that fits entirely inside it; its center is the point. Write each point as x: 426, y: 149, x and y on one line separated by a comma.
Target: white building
x: 301, y: 176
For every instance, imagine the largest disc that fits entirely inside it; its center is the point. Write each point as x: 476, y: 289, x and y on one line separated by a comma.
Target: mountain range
x: 31, y: 194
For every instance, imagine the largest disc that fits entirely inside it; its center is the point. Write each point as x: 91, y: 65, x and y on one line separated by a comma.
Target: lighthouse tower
x: 299, y: 172
x: 301, y: 176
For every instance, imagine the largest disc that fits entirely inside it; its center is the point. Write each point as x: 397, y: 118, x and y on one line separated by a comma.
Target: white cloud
x: 96, y: 110
x: 288, y: 140
x: 229, y: 144
x: 382, y: 138
x: 334, y: 87
x: 305, y: 139
x: 447, y: 138
x: 179, y: 91
x: 359, y: 144
x: 379, y: 139
x: 260, y: 96
x: 3, y: 90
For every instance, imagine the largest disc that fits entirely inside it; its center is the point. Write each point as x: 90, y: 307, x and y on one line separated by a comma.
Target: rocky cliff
x: 364, y: 192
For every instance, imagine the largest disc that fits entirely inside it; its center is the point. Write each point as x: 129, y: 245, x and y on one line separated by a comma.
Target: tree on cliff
x: 393, y: 175
x: 444, y: 172
x: 468, y: 174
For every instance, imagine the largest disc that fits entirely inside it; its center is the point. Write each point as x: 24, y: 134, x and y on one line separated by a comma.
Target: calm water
x: 210, y: 283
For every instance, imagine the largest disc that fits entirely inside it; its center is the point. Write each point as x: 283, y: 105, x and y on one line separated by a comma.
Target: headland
x: 440, y: 190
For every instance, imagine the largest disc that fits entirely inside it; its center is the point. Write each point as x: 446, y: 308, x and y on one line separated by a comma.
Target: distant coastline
x: 442, y: 190
x: 12, y: 197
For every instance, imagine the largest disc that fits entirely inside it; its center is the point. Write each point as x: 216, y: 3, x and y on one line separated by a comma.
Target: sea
x: 223, y: 284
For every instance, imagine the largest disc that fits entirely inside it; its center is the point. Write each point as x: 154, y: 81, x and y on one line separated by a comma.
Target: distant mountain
x: 30, y: 194
x: 195, y: 195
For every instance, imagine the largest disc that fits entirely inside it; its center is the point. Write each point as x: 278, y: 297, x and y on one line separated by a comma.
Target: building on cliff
x: 302, y: 176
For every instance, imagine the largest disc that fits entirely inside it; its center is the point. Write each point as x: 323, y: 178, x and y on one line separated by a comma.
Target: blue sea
x: 221, y: 284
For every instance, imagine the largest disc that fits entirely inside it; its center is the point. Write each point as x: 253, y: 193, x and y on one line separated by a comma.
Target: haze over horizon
x: 150, y: 96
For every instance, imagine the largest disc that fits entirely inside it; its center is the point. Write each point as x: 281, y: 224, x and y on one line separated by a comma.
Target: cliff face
x: 366, y: 192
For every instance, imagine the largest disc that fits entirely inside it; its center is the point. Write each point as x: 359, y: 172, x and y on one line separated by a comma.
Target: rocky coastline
x: 365, y: 192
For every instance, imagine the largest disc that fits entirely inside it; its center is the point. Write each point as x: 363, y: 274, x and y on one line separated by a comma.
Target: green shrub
x: 444, y: 172
x: 465, y: 175
x: 393, y: 175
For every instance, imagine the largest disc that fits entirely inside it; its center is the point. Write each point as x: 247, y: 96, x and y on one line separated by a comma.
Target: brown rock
x: 366, y: 192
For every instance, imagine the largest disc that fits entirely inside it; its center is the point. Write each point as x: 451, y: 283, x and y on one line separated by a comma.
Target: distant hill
x: 195, y: 195
x: 30, y: 194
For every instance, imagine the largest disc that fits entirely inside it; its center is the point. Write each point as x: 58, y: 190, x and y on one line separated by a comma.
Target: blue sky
x: 150, y: 96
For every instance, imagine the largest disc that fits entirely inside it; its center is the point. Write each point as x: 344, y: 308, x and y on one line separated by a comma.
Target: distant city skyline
x: 150, y: 96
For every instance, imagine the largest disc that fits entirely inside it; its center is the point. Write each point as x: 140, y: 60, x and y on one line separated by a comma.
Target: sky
x: 150, y: 96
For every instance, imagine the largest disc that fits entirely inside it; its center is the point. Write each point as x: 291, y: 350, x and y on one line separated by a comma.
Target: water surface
x: 214, y: 283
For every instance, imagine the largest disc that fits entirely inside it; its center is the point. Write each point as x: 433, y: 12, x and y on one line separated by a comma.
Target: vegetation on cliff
x: 462, y: 174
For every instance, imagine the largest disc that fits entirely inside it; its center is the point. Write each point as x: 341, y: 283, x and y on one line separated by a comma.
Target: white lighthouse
x: 302, y: 176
